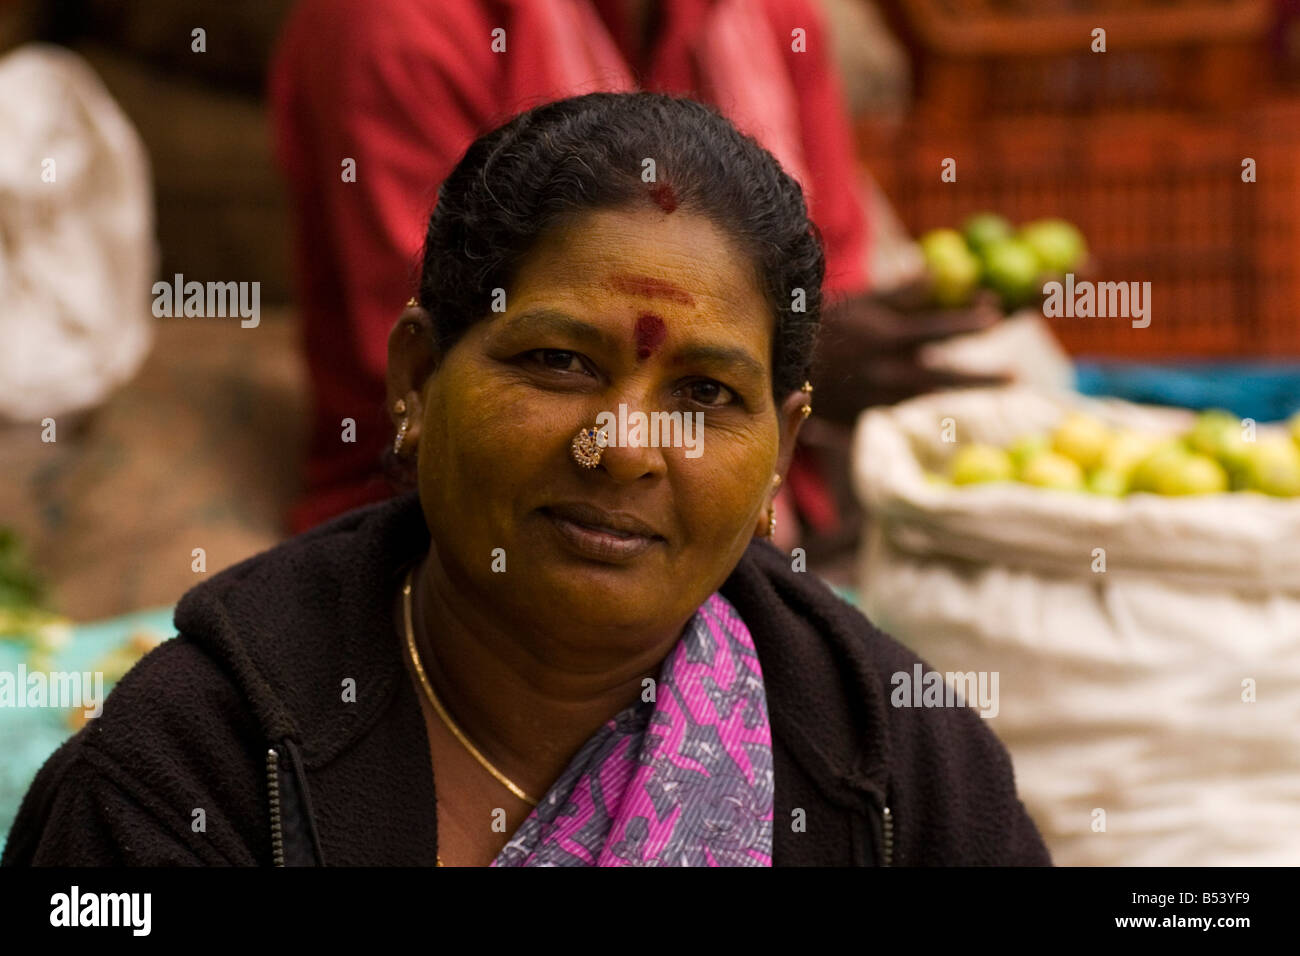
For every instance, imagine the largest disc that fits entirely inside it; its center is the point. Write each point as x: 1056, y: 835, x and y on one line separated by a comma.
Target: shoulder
x: 157, y: 779
x: 306, y: 631
x: 951, y: 779
x: 837, y: 680
x: 172, y: 715
x: 152, y: 781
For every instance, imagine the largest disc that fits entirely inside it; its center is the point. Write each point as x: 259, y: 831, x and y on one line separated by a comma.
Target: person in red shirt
x: 374, y: 101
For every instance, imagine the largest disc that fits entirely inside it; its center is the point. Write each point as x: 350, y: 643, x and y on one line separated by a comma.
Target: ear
x: 412, y: 357
x: 791, y: 416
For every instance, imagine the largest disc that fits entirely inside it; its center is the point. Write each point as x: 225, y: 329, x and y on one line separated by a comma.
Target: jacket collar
x: 293, y: 626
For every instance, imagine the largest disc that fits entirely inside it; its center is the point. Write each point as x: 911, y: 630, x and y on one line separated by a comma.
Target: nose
x: 626, y: 463
x: 621, y: 459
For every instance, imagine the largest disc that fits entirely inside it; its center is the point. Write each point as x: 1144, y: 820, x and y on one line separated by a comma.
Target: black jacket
x: 233, y: 744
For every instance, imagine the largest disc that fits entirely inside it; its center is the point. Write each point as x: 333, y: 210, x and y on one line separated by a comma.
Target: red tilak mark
x: 650, y: 334
x: 664, y: 196
x: 651, y: 288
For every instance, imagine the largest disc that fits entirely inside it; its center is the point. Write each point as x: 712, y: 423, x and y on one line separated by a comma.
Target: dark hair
x: 584, y: 153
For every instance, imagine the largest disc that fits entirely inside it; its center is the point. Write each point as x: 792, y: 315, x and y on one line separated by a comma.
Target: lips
x: 601, y: 535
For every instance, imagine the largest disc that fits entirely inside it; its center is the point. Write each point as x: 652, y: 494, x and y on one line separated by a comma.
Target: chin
x: 586, y: 594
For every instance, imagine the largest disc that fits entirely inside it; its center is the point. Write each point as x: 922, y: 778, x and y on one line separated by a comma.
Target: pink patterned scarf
x: 683, y: 780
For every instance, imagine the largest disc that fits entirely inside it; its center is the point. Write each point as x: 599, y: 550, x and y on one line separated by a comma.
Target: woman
x: 567, y: 647
x: 402, y: 87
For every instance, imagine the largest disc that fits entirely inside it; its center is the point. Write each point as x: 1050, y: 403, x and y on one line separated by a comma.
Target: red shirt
x: 402, y: 87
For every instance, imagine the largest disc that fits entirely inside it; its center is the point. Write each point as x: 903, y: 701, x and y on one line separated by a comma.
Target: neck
x: 527, y: 697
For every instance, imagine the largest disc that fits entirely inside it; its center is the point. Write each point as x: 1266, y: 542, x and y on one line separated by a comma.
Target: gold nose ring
x: 588, y: 445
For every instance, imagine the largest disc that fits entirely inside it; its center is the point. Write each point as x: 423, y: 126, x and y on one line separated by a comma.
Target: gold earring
x: 399, y: 407
x: 401, y: 437
x: 412, y: 303
x: 771, y: 510
x: 588, y: 445
x: 806, y: 408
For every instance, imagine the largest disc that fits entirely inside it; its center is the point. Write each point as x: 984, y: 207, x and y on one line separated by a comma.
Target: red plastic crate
x: 996, y: 57
x: 1159, y: 197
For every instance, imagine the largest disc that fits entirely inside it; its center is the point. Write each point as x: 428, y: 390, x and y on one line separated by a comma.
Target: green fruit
x: 1194, y: 475
x: 1218, y: 434
x: 979, y: 463
x: 985, y: 228
x: 1058, y: 245
x: 1107, y: 481
x: 1153, y: 473
x: 954, y: 269
x: 1204, y: 438
x: 1125, y: 451
x: 1011, y: 268
x: 1050, y: 470
x: 1272, y: 466
x: 1027, y: 447
x: 1081, y: 438
x: 949, y: 238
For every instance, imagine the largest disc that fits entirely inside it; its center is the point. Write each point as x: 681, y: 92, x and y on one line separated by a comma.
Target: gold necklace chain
x: 437, y: 704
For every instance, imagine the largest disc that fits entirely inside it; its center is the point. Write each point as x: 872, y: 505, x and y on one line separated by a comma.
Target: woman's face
x: 649, y: 310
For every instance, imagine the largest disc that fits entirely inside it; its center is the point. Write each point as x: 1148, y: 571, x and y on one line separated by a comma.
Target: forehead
x: 681, y: 265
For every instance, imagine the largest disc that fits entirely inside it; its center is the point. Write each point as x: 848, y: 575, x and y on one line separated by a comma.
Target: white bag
x: 1121, y: 691
x: 78, y: 254
x: 1021, y: 347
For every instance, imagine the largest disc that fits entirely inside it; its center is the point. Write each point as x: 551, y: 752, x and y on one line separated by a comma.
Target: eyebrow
x: 719, y: 355
x: 553, y: 320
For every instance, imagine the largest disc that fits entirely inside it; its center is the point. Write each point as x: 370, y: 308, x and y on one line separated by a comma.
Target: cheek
x: 489, y: 440
x: 722, y: 488
x: 463, y: 457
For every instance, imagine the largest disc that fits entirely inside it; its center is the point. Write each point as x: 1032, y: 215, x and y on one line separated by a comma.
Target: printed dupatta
x: 682, y: 780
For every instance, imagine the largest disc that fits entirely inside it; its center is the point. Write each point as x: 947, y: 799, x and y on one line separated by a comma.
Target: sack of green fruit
x: 1132, y: 573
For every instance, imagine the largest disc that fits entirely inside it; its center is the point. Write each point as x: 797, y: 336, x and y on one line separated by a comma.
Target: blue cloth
x: 1264, y: 391
x: 29, y: 735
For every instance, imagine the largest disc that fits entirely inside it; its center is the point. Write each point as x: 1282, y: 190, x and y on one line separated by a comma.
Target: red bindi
x: 664, y: 196
x: 650, y: 333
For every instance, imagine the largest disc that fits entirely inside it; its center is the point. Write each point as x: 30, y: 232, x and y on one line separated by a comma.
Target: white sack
x: 1119, y: 691
x: 77, y: 255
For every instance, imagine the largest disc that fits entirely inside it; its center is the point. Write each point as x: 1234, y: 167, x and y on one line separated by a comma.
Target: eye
x: 558, y: 360
x: 711, y: 393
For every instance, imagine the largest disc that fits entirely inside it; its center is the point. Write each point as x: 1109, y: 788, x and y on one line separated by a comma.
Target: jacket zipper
x: 273, y: 788
x: 887, y: 818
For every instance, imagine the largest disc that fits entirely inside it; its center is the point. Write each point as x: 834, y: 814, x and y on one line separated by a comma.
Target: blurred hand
x: 869, y: 349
